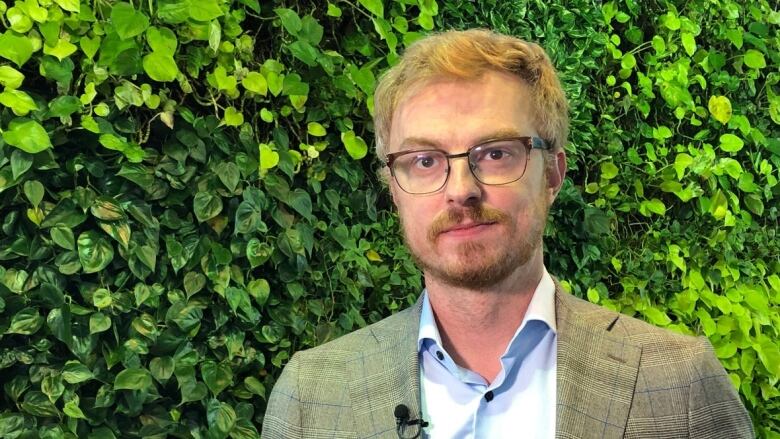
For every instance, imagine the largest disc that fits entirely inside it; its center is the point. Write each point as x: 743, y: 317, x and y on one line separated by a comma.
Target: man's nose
x: 462, y: 187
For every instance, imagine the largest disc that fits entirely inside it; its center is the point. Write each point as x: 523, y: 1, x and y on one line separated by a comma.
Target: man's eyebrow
x: 504, y: 133
x: 411, y: 143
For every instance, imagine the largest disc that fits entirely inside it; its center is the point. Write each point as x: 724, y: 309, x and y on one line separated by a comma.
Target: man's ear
x: 556, y: 172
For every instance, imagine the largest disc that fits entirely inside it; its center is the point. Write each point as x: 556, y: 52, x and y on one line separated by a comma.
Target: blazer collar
x: 596, y: 372
x: 385, y: 374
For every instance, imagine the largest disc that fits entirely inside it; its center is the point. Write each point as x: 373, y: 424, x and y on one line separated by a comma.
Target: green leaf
x: 160, y: 66
x: 688, y: 42
x: 107, y: 209
x: 21, y: 162
x: 205, y: 10
x: 18, y: 101
x: 304, y: 52
x: 333, y: 10
x: 256, y: 83
x: 356, y: 146
x: 229, y: 175
x: 69, y: 5
x: 257, y: 252
x: 61, y: 50
x: 161, y: 368
x: 290, y: 20
x: 220, y: 416
x: 268, y: 157
x: 768, y: 353
x: 275, y: 83
x: 74, y: 372
x: 38, y: 404
x: 127, y: 21
x: 233, y: 117
x: 215, y: 35
x: 99, y: 322
x: 316, y: 129
x: 655, y: 206
x: 63, y: 106
x: 374, y: 6
x: 255, y: 386
x: 63, y: 236
x: 101, y: 298
x: 731, y: 143
x: 134, y: 378
x: 754, y: 203
x: 754, y: 59
x: 27, y: 135
x: 33, y: 190
x: 726, y: 350
x: 720, y: 108
x: 656, y: 316
x: 300, y: 201
x: 260, y: 290
x: 217, y: 376
x: 609, y: 170
x: 206, y: 206
x: 72, y: 410
x: 95, y: 252
x: 27, y: 321
x: 10, y: 78
x: 311, y: 30
x: 162, y: 40
x: 193, y: 282
x: 89, y: 46
x: 15, y: 49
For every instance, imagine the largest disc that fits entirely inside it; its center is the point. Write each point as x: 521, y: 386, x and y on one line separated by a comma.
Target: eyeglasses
x: 494, y: 162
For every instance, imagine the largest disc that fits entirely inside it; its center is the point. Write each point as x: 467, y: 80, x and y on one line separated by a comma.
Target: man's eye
x: 496, y: 154
x: 425, y: 161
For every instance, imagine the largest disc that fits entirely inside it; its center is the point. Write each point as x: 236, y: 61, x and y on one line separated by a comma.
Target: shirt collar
x: 541, y: 308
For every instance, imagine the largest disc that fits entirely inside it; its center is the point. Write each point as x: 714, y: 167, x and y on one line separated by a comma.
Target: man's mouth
x: 465, y: 227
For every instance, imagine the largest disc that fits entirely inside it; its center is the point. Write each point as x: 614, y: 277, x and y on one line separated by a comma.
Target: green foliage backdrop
x: 188, y: 195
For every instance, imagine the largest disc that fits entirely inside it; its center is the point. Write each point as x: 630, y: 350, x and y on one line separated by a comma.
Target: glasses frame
x: 530, y: 142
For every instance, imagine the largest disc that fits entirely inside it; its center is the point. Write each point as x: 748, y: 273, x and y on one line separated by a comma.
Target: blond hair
x: 468, y: 55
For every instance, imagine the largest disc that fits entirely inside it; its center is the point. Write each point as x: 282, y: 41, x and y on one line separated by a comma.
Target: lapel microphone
x: 402, y: 421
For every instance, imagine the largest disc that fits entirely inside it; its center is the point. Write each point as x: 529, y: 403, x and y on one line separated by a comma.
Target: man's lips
x: 465, y: 227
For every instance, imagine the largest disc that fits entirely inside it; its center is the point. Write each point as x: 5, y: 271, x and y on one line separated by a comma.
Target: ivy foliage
x: 187, y: 194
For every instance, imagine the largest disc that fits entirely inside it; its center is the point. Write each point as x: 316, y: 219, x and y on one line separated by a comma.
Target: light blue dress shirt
x: 520, y: 402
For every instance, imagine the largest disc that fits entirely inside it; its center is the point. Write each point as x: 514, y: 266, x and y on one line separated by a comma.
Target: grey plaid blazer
x: 618, y: 377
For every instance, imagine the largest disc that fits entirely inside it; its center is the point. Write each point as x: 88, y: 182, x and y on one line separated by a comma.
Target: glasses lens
x: 419, y: 172
x: 499, y: 162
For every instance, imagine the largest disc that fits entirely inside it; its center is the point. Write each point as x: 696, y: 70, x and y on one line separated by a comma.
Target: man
x: 471, y: 126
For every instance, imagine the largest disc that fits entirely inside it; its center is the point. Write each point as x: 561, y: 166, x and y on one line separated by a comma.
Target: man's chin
x: 471, y: 272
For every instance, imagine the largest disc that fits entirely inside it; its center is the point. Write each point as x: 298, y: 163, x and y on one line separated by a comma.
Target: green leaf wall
x: 188, y: 193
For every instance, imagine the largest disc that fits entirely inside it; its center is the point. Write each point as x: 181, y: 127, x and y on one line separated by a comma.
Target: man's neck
x: 477, y: 325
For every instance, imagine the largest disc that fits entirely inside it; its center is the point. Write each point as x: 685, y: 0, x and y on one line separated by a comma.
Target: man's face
x: 469, y: 234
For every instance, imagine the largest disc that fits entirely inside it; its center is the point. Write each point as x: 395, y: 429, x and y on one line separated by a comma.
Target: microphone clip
x: 402, y: 421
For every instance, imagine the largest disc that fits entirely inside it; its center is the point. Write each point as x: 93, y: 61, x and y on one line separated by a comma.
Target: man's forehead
x: 461, y: 113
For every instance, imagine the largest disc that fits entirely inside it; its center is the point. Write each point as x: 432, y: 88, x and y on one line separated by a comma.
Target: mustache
x: 452, y: 217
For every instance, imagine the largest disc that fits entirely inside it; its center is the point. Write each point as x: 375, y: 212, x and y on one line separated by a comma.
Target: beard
x: 477, y: 265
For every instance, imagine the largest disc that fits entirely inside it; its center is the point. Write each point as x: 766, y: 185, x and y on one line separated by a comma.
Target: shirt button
x: 439, y: 355
x: 489, y: 396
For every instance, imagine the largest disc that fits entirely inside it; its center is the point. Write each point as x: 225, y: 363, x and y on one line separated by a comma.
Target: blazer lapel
x: 385, y: 374
x: 596, y: 372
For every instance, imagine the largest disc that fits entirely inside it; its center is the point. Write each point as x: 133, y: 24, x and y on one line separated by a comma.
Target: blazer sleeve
x: 282, y: 418
x: 714, y: 407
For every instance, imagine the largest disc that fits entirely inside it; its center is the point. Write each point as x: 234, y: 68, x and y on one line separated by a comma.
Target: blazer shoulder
x: 638, y: 332
x: 388, y: 330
